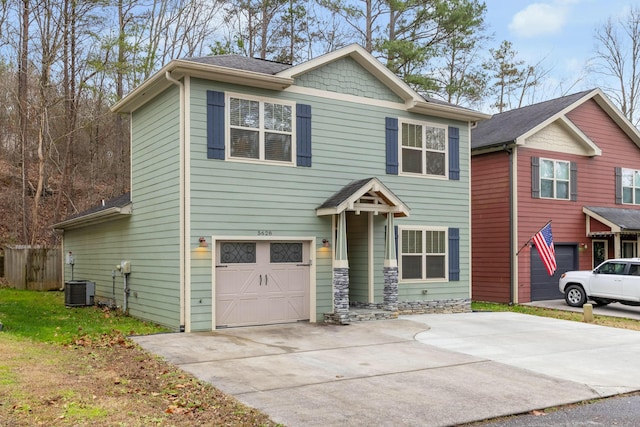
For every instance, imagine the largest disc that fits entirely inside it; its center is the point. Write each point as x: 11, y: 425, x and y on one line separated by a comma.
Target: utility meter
x: 125, y: 267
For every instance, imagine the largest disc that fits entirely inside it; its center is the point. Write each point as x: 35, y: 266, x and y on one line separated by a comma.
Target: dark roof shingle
x: 507, y: 126
x: 239, y: 62
x: 626, y: 219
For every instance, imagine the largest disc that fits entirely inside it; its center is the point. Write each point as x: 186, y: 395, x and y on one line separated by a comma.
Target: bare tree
x: 617, y: 60
x: 23, y: 93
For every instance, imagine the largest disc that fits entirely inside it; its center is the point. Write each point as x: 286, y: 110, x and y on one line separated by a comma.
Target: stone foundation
x: 363, y: 312
x: 434, y: 307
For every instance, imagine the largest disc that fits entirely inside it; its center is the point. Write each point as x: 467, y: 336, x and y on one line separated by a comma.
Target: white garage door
x: 262, y: 282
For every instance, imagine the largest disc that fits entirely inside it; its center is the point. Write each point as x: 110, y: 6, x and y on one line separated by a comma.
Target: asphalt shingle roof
x: 117, y: 202
x: 507, y: 126
x: 344, y: 193
x: 626, y: 219
x: 239, y: 62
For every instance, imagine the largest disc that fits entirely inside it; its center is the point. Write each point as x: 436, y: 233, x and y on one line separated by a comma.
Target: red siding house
x: 574, y: 161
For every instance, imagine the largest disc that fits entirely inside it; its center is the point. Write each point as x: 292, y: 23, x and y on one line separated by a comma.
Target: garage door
x: 543, y: 286
x: 259, y: 283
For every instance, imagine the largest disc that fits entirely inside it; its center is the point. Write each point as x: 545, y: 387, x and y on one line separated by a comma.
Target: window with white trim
x: 555, y: 179
x: 422, y: 253
x: 423, y: 149
x: 631, y: 186
x: 260, y: 130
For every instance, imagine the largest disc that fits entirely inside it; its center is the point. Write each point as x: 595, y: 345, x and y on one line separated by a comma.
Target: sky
x: 560, y: 33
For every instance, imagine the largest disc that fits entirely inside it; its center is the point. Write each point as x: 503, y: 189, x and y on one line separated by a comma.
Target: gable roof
x: 277, y: 76
x: 515, y: 126
x: 106, y: 211
x: 364, y: 195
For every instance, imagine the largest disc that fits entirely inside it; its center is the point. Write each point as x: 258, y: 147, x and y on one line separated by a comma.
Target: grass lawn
x: 64, y: 366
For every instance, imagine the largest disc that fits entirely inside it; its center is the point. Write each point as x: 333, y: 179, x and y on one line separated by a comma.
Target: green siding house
x: 268, y: 193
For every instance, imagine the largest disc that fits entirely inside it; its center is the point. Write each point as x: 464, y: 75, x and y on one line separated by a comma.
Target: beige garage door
x: 259, y: 283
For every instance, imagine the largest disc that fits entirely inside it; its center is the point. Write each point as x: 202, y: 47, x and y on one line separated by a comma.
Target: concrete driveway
x: 424, y: 370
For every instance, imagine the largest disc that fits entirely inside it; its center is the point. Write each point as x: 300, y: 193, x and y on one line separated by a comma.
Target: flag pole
x: 531, y: 238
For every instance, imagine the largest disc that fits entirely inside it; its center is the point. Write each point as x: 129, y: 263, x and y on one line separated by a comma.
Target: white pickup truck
x: 615, y: 280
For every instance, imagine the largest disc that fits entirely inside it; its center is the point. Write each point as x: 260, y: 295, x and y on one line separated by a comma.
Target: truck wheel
x: 574, y: 296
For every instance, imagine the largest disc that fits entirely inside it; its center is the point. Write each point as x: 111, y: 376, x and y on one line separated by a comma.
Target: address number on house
x: 265, y: 233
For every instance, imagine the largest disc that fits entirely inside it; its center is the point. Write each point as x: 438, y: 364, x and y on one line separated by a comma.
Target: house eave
x: 179, y: 68
x: 446, y: 111
x: 105, y: 215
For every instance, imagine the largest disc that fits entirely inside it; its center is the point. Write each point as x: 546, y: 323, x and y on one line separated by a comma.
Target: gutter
x: 94, y: 218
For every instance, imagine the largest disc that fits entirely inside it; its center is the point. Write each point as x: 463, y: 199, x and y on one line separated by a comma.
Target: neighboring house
x: 575, y: 161
x: 267, y: 193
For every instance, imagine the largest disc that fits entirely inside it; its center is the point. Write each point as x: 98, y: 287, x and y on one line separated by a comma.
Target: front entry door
x: 262, y: 282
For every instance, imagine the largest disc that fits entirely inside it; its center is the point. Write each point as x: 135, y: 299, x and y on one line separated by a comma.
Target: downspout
x: 512, y: 257
x: 183, y: 233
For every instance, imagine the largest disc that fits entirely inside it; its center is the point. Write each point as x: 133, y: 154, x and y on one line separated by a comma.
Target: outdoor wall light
x: 203, y: 242
x: 325, y: 243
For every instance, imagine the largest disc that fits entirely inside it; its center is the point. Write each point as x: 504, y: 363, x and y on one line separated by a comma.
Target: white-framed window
x: 423, y: 149
x: 555, y: 179
x: 422, y: 253
x: 260, y: 129
x: 631, y: 186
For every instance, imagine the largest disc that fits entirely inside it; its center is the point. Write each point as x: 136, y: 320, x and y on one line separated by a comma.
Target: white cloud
x: 540, y: 19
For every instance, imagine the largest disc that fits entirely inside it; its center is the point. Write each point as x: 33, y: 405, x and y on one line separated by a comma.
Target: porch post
x: 390, y: 268
x: 341, y: 272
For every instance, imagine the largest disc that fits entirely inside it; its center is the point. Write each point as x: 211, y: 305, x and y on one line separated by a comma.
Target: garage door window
x: 286, y: 252
x: 238, y: 253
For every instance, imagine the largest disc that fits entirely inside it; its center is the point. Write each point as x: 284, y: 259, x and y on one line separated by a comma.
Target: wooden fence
x: 35, y: 268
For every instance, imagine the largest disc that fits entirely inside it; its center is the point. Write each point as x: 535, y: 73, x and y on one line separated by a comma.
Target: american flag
x: 544, y: 244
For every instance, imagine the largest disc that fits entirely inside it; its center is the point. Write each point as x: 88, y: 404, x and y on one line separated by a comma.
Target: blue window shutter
x: 391, y: 138
x: 215, y: 125
x: 454, y: 153
x: 618, y: 186
x: 535, y: 177
x: 303, y: 135
x: 454, y: 254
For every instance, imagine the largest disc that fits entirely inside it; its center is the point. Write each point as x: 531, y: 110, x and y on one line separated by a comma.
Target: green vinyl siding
x: 348, y: 143
x: 149, y: 238
x: 247, y: 200
x: 358, y: 253
x: 346, y: 76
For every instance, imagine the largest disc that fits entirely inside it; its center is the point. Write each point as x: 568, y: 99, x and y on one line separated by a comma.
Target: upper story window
x: 423, y: 150
x: 260, y: 130
x: 631, y: 186
x: 423, y: 254
x: 554, y: 179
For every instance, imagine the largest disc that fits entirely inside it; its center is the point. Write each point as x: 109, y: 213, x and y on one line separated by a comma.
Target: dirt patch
x: 106, y: 383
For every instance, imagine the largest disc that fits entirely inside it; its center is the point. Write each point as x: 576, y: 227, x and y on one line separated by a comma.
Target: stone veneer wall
x: 390, y: 291
x: 422, y: 307
x: 363, y: 312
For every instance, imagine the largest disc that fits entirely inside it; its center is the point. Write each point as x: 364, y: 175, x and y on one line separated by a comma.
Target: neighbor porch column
x: 341, y: 272
x: 390, y: 268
